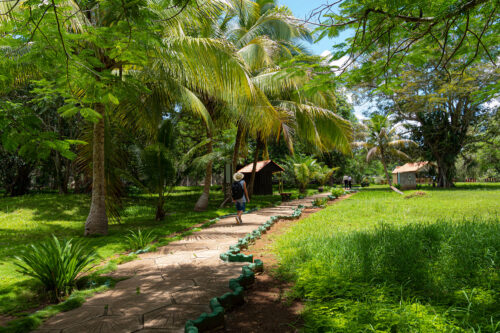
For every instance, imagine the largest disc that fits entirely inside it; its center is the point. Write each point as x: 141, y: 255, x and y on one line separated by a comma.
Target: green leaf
x: 90, y: 114
x: 68, y: 110
x: 112, y: 98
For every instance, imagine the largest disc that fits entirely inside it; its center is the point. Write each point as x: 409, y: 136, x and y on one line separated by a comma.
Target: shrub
x: 138, y: 240
x: 365, y: 182
x: 337, y: 192
x: 320, y: 202
x: 56, y: 264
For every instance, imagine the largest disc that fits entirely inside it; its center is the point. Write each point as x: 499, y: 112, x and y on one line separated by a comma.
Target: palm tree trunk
x: 97, y: 221
x: 237, y: 144
x: 254, y: 167
x: 202, y: 203
x: 160, y: 212
x: 389, y: 180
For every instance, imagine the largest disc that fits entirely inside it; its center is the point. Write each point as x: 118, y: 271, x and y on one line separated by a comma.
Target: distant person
x: 346, y: 181
x: 239, y: 194
x: 349, y: 182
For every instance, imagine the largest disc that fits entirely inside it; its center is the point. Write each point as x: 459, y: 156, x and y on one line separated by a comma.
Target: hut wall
x: 263, y: 182
x: 408, y: 180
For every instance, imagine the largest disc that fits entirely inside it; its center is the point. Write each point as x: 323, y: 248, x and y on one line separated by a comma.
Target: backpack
x: 237, y: 191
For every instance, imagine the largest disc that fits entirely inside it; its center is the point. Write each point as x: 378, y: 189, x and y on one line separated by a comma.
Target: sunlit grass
x: 33, y: 218
x: 378, y: 261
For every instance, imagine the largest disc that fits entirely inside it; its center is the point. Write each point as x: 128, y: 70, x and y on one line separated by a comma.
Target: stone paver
x: 169, y: 286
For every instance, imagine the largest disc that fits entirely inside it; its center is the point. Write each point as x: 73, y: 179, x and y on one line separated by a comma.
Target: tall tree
x: 388, y: 33
x: 440, y: 112
x: 383, y: 142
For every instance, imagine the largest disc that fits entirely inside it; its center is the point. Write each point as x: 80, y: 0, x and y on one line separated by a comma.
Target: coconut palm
x: 157, y: 165
x: 383, y: 142
x: 266, y: 35
x: 110, y: 80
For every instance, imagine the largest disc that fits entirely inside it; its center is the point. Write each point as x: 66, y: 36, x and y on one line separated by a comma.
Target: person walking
x: 239, y: 195
x: 346, y: 181
x: 349, y: 182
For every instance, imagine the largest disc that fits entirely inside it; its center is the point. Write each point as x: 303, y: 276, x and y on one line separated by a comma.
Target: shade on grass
x: 32, y: 218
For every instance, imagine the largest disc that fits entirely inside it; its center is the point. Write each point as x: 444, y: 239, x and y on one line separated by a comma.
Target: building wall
x: 407, y: 180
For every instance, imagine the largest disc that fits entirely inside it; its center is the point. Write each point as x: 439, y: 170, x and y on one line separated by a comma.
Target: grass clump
x: 56, y: 264
x: 399, y: 270
x: 138, y: 240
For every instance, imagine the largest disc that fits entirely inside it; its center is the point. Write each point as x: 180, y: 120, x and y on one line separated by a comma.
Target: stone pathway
x: 169, y: 286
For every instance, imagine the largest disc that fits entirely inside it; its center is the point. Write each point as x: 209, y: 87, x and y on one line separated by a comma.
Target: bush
x: 365, y: 182
x: 337, y: 192
x: 138, y: 240
x: 56, y: 264
x: 320, y: 202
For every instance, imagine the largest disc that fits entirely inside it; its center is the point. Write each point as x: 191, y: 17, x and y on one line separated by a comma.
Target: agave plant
x: 138, y: 239
x: 56, y: 264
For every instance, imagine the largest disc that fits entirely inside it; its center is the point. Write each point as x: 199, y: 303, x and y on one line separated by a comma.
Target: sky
x: 301, y: 9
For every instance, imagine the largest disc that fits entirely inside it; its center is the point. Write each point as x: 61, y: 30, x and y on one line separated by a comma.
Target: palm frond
x: 372, y: 153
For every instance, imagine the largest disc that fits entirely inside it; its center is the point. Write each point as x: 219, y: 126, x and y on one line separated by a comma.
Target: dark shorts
x: 240, y: 206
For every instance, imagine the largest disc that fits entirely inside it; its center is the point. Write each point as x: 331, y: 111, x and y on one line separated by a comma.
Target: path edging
x: 218, y: 305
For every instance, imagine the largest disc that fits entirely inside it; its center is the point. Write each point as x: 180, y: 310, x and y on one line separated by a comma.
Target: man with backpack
x: 239, y: 194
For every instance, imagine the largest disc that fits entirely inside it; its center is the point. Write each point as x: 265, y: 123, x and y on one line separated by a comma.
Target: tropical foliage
x: 383, y: 142
x: 56, y: 264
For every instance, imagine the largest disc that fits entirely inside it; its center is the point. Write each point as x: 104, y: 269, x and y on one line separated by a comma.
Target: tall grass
x: 139, y: 239
x: 435, y: 276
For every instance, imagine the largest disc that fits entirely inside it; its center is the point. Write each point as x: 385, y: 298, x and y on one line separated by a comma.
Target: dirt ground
x: 267, y: 309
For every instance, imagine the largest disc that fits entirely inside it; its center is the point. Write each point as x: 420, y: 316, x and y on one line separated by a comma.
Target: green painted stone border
x: 218, y: 305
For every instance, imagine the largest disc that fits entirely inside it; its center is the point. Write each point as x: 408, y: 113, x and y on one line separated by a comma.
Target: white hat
x: 238, y: 176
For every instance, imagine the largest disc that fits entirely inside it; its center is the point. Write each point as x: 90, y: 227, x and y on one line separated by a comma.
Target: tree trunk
x: 202, y: 203
x: 97, y: 221
x: 160, y: 212
x: 445, y: 174
x: 237, y: 144
x: 21, y: 183
x: 61, y: 183
x: 389, y: 180
x: 254, y: 167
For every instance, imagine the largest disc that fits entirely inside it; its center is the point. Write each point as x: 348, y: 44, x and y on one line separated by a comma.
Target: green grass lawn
x: 32, y: 218
x: 379, y: 262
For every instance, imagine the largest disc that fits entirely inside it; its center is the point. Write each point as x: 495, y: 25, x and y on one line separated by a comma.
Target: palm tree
x: 266, y: 35
x: 383, y: 142
x: 111, y: 80
x: 304, y: 169
x: 324, y: 174
x: 157, y: 164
